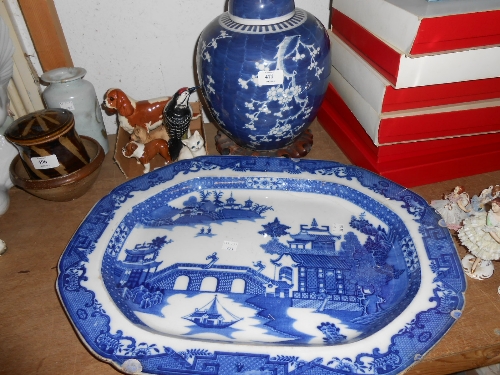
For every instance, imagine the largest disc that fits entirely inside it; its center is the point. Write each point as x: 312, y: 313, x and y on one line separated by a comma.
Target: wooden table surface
x: 36, y: 336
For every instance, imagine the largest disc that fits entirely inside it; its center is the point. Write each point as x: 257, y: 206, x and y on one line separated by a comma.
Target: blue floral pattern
x: 257, y: 115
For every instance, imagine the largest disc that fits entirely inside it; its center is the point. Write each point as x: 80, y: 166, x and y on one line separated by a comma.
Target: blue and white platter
x: 259, y: 266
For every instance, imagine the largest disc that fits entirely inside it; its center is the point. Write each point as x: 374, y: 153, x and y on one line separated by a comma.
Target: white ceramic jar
x: 7, y: 150
x: 7, y: 153
x: 67, y: 89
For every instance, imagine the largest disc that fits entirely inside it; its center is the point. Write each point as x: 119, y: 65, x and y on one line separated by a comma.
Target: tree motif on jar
x: 264, y: 81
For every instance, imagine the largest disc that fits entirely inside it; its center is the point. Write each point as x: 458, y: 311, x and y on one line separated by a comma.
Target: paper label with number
x: 270, y: 77
x: 229, y: 245
x: 45, y: 162
x: 337, y: 228
x: 67, y: 105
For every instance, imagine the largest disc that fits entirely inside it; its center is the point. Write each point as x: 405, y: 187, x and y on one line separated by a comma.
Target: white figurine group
x: 478, y: 227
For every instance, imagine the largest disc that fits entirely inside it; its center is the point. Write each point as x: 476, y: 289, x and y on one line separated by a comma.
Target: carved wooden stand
x: 299, y: 148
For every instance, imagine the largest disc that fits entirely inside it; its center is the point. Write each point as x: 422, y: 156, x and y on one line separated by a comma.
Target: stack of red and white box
x: 414, y: 92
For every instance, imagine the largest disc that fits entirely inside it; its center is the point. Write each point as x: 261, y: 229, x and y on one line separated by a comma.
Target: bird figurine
x: 177, y: 116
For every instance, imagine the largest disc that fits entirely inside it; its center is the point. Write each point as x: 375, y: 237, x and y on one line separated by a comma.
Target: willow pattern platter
x: 259, y: 266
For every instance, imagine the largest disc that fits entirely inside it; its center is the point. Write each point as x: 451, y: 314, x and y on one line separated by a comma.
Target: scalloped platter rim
x: 255, y: 265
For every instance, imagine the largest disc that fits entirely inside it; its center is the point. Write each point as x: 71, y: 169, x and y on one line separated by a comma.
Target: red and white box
x: 391, y: 115
x: 383, y: 97
x: 410, y: 164
x: 423, y: 124
x: 414, y: 93
x: 418, y: 27
x: 403, y: 70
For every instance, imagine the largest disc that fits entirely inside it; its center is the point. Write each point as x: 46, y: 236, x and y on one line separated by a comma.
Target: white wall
x: 144, y: 47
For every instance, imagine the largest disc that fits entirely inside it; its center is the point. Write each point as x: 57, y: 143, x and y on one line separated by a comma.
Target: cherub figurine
x: 454, y: 208
x: 480, y: 233
x: 478, y: 202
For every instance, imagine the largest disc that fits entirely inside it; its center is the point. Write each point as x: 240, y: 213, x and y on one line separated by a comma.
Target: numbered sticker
x: 270, y: 77
x: 67, y: 105
x: 45, y: 162
x: 338, y: 228
x: 229, y: 245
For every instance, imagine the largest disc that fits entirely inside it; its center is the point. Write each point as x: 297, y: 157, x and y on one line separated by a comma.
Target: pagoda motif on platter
x: 140, y: 262
x: 312, y: 263
x: 313, y: 239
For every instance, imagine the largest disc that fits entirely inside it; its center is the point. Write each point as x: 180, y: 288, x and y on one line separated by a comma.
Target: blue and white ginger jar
x: 263, y: 67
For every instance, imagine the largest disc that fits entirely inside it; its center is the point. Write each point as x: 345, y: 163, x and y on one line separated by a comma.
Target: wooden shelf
x: 37, y: 337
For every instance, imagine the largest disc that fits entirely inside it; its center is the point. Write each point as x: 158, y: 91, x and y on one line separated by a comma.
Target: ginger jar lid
x: 40, y: 126
x: 260, y: 12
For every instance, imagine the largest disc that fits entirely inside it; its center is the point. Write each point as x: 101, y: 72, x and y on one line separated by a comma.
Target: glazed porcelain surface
x: 229, y: 265
x: 260, y: 12
x: 7, y: 151
x: 264, y: 82
x: 67, y: 89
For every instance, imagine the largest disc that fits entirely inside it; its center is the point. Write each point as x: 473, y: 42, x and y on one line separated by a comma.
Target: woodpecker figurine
x: 177, y: 116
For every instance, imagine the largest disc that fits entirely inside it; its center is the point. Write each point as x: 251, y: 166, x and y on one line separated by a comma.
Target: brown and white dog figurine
x: 132, y: 113
x: 144, y: 153
x: 141, y: 135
